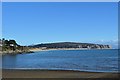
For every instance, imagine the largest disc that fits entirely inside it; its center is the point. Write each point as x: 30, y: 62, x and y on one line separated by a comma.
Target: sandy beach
x: 54, y: 74
x: 39, y: 49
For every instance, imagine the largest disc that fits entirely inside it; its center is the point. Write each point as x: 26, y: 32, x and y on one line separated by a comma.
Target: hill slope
x: 71, y: 45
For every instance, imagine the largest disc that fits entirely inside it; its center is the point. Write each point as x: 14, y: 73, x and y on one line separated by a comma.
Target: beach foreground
x: 55, y: 74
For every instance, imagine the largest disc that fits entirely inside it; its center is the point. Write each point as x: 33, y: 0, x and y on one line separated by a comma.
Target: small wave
x: 61, y: 69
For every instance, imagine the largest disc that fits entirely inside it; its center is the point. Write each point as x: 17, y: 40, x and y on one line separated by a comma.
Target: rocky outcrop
x: 11, y: 47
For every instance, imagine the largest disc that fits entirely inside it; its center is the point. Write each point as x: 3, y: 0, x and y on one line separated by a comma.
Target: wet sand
x: 55, y: 74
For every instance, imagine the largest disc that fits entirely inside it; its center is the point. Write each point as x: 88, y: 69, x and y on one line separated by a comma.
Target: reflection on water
x: 82, y: 60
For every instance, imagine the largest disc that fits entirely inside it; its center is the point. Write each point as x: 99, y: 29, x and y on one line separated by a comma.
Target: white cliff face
x: 112, y: 43
x: 106, y: 47
x: 95, y: 46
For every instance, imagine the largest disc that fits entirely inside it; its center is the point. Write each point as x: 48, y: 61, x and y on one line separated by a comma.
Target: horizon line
x: 59, y: 0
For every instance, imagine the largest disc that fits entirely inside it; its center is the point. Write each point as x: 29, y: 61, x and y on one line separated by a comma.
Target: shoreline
x: 8, y: 73
x: 39, y: 49
x: 15, y: 52
x: 35, y: 50
x: 72, y: 70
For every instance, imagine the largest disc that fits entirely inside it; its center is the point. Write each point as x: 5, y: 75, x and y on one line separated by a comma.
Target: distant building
x: 79, y: 46
x: 11, y: 44
x: 88, y: 47
x: 43, y: 48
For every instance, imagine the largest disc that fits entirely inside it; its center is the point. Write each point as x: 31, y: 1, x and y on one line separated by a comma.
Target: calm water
x: 81, y: 60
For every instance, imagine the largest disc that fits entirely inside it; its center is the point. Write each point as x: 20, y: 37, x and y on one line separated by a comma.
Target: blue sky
x: 31, y: 23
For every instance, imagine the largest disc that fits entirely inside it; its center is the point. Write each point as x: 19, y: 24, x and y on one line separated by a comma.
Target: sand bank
x: 54, y: 74
x: 39, y: 49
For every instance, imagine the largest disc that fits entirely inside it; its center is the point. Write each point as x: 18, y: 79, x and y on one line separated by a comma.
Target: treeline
x: 7, y: 45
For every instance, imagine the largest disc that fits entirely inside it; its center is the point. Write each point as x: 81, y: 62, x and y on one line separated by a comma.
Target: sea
x: 102, y: 60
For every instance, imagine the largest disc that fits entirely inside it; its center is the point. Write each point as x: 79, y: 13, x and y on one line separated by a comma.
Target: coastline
x: 7, y: 73
x: 39, y: 49
x: 15, y: 52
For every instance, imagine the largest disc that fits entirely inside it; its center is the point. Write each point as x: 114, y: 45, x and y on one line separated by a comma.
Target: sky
x: 32, y: 23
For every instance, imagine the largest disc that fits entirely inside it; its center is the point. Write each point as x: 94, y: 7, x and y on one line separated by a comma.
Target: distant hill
x: 71, y: 45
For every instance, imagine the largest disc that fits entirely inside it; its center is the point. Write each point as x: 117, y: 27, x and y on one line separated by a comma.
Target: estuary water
x: 78, y: 60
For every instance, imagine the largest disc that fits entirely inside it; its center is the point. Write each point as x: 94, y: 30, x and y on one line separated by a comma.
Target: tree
x: 6, y: 43
x: 12, y: 42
